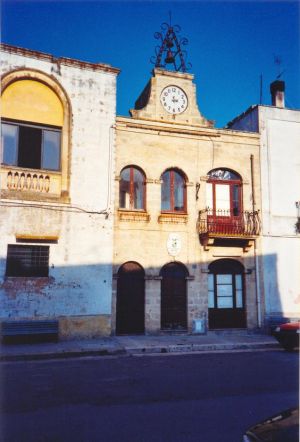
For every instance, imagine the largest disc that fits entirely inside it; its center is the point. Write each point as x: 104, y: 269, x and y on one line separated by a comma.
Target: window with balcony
x: 173, y: 192
x: 132, y: 194
x: 224, y: 203
x: 35, y: 135
x: 30, y: 146
x: 224, y: 193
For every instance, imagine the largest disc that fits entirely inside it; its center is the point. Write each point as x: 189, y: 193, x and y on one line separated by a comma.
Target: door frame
x: 124, y: 323
x: 233, y: 317
x: 171, y: 309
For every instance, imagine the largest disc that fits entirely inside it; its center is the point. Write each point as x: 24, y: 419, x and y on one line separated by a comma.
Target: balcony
x: 226, y: 228
x: 21, y: 183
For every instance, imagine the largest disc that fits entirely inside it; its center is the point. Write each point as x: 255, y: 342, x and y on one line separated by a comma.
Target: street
x: 190, y: 397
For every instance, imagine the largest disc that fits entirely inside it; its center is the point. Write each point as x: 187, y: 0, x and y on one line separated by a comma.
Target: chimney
x: 277, y: 89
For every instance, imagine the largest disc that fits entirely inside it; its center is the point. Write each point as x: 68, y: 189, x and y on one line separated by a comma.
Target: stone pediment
x: 163, y: 89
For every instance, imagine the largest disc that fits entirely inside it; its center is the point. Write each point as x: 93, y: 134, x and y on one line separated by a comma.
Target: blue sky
x: 231, y: 43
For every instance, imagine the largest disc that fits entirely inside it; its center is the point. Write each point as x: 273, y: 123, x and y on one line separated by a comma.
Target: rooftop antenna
x: 260, y: 89
x: 278, y: 62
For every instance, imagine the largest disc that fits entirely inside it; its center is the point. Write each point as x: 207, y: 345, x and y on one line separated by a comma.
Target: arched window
x: 173, y: 191
x: 224, y: 193
x: 35, y: 135
x: 31, y: 126
x: 226, y: 303
x: 132, y: 189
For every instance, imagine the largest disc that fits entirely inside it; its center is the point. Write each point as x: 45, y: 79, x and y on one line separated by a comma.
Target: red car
x: 283, y: 427
x: 288, y: 335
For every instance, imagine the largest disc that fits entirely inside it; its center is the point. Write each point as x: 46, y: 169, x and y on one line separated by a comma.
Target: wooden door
x: 173, y: 297
x: 226, y: 295
x: 130, y: 315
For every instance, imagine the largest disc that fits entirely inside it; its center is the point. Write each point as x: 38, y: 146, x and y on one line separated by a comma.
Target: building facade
x: 57, y: 163
x: 279, y: 129
x: 187, y: 223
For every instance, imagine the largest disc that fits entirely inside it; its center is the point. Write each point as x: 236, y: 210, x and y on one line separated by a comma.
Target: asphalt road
x: 194, y: 397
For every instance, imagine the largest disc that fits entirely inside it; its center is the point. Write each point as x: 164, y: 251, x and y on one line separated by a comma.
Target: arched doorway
x: 226, y: 294
x: 173, y: 297
x: 130, y: 314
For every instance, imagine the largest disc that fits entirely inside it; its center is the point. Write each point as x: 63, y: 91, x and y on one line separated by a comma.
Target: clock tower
x: 170, y: 97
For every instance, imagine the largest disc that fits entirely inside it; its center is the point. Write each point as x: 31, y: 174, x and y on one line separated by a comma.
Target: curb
x: 202, y: 348
x: 181, y: 348
x: 61, y: 355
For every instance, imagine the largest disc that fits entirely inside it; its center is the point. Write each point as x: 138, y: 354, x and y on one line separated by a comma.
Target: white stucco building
x: 57, y: 165
x: 279, y: 128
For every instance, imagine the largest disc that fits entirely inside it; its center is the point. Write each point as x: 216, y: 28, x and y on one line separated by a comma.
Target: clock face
x: 173, y: 99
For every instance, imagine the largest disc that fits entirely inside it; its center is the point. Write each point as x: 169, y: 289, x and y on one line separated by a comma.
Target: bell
x: 170, y: 43
x: 169, y: 58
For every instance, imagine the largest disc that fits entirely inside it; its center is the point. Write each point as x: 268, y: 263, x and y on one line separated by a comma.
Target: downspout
x: 257, y: 275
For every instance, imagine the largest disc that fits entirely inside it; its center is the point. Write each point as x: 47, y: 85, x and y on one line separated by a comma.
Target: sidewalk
x: 130, y: 345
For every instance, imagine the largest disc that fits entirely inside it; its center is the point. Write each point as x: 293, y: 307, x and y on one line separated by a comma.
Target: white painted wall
x: 81, y: 262
x: 280, y: 172
x: 280, y: 189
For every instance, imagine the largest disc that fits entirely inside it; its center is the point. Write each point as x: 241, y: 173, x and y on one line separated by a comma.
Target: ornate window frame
x: 36, y: 75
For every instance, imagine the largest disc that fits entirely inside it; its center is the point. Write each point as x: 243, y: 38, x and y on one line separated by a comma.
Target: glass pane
x: 138, y: 179
x: 222, y: 199
x: 51, y: 150
x: 178, y: 192
x: 225, y: 302
x: 223, y: 174
x: 236, y: 200
x: 9, y: 143
x: 224, y: 290
x: 211, y: 299
x: 238, y: 282
x: 30, y: 147
x: 125, y: 189
x: 209, y: 195
x: 239, y: 298
x: 224, y: 279
x: 210, y: 281
x: 165, y: 192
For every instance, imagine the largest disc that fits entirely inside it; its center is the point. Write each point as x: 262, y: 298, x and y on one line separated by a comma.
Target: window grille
x: 25, y: 260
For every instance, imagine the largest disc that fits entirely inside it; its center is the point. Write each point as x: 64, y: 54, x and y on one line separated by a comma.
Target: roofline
x: 61, y: 60
x: 242, y: 115
x: 253, y: 107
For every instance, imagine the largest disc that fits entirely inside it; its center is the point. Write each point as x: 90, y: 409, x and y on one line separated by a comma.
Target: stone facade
x: 67, y: 211
x: 154, y: 141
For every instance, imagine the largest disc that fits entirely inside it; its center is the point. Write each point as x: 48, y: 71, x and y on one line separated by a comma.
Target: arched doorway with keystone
x: 130, y: 308
x: 174, y: 297
x: 226, y: 294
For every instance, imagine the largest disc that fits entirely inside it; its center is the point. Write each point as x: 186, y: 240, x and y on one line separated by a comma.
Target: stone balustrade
x: 15, y: 179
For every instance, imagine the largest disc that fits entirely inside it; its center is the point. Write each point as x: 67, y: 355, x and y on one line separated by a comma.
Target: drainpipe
x: 257, y: 281
x: 258, y: 295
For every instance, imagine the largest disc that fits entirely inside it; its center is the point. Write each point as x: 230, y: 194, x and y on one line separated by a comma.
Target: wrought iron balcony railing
x: 228, y: 223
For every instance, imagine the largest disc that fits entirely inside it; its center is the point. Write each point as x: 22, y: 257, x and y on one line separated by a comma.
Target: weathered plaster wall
x: 78, y: 290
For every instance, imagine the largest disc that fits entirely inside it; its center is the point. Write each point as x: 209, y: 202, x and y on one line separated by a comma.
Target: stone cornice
x: 177, y: 128
x: 60, y: 60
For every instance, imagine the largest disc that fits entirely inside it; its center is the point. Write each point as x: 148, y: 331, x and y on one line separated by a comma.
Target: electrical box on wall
x: 199, y: 326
